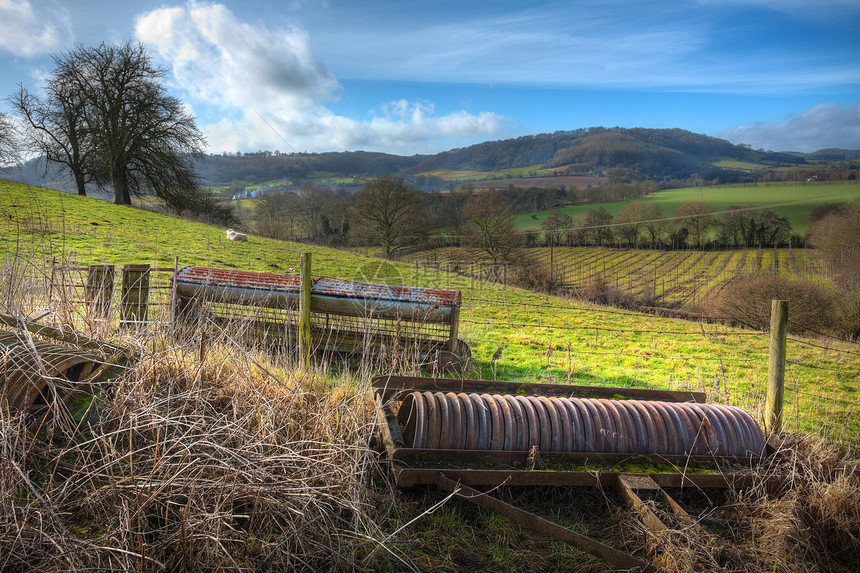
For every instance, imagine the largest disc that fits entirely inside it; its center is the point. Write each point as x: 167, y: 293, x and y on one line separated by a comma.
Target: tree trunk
x: 120, y: 189
x: 79, y: 181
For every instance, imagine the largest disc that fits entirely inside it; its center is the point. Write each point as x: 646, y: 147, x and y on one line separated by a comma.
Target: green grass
x: 470, y: 175
x: 729, y: 163
x: 788, y: 200
x: 267, y: 183
x: 543, y: 338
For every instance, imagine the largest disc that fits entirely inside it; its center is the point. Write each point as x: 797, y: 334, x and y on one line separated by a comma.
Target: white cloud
x: 820, y: 127
x: 269, y: 88
x: 26, y: 33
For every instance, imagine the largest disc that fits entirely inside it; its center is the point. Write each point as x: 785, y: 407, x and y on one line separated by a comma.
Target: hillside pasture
x: 793, y: 201
x: 210, y: 456
x: 37, y: 224
x: 464, y: 175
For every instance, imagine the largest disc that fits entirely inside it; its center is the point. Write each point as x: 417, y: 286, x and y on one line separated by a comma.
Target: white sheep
x: 234, y: 236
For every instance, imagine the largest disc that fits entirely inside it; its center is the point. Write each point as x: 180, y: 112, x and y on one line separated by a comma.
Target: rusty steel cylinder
x: 460, y: 421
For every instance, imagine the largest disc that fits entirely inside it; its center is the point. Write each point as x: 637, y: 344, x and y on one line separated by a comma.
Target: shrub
x: 847, y: 303
x: 599, y: 291
x: 531, y: 274
x: 748, y: 302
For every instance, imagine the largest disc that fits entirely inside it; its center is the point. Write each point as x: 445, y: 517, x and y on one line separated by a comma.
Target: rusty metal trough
x: 346, y: 316
x: 462, y: 434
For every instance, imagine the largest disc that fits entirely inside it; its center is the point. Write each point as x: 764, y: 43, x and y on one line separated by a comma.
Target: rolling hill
x: 652, y: 154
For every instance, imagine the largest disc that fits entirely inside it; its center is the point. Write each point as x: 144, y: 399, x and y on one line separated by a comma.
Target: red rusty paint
x: 320, y: 286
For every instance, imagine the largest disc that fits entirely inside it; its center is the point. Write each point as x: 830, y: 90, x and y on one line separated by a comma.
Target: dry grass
x: 810, y: 522
x: 212, y: 457
x: 199, y: 458
x: 194, y: 466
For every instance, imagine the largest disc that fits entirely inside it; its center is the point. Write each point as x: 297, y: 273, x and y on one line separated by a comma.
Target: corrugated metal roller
x: 474, y: 421
x: 26, y: 371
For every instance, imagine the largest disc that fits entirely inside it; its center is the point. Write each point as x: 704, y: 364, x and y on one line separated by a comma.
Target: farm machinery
x: 462, y: 435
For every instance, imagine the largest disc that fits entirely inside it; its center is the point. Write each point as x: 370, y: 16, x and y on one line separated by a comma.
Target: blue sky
x: 420, y: 77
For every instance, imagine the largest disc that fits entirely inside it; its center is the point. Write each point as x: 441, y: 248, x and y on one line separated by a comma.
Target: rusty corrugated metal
x: 227, y: 278
x: 432, y: 419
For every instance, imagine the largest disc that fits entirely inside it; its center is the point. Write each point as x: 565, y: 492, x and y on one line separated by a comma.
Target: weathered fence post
x: 99, y: 289
x: 172, y: 317
x: 305, y: 311
x: 135, y: 293
x: 776, y: 366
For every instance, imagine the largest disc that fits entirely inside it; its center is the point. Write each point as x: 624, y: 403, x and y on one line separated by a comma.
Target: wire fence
x: 550, y: 347
x: 834, y: 367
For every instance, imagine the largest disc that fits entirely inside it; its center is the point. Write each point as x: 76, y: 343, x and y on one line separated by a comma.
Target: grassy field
x: 543, y: 338
x: 468, y: 175
x: 788, y: 200
x: 222, y: 468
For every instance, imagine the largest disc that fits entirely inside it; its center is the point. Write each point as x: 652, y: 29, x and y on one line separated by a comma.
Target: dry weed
x: 195, y: 466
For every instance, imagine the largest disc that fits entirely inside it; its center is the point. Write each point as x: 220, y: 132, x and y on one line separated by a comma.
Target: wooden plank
x: 135, y: 294
x: 626, y: 486
x: 545, y: 527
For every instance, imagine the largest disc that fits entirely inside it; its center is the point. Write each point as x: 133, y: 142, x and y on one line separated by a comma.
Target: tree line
x: 643, y: 224
x: 388, y: 212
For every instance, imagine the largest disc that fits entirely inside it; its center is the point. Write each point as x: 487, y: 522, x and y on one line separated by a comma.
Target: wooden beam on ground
x: 545, y: 527
x: 626, y: 485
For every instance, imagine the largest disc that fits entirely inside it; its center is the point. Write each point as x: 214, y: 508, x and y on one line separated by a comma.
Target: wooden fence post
x: 172, y: 311
x: 305, y: 311
x: 99, y: 289
x: 135, y: 293
x: 776, y: 367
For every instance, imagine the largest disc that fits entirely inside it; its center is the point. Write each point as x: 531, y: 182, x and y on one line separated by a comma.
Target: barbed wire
x: 603, y: 329
x: 674, y: 358
x: 826, y: 398
x: 715, y: 319
x: 825, y: 334
x: 828, y: 348
x: 817, y: 367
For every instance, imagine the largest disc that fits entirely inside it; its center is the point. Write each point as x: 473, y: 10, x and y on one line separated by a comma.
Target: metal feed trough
x: 458, y: 434
x: 346, y: 316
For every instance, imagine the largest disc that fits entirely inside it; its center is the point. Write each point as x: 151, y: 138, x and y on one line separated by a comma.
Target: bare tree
x: 837, y: 238
x: 697, y: 217
x: 597, y: 226
x: 141, y: 138
x: 387, y: 212
x: 629, y: 220
x: 738, y: 226
x: 653, y: 223
x: 558, y: 224
x: 8, y: 142
x: 277, y: 215
x: 56, y: 128
x: 492, y: 227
